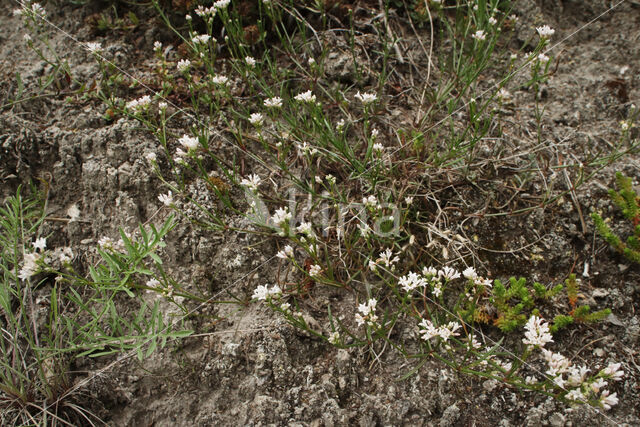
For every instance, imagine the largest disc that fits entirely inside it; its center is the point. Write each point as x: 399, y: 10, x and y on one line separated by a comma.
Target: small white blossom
x: 613, y: 371
x: 449, y: 273
x: 94, y: 47
x: 387, y: 258
x: 545, y: 31
x: 250, y: 61
x: 256, y: 119
x: 307, y: 96
x: 29, y: 266
x: 157, y: 46
x: 189, y: 142
x: 219, y: 80
x: 558, y: 364
x: 281, y: 216
x: 162, y: 105
x: 263, y: 293
x: 371, y: 202
x: 334, y: 338
x: 166, y: 199
x: 315, y: 270
x: 221, y: 4
x: 537, y: 332
x: 286, y: 253
x: 470, y: 273
x: 139, y: 104
x: 479, y: 35
x: 412, y: 281
x: 201, y: 39
x: 275, y: 102
x: 305, y: 228
x: 366, y: 98
x: 607, y: 401
x: 378, y: 148
x: 493, y: 21
x: 183, y: 65
x: 251, y: 182
x: 366, y: 313
x: 597, y: 385
x: 65, y: 255
x: 40, y: 244
x: 576, y: 395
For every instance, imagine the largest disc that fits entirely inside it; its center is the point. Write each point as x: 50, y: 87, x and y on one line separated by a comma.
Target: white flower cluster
x: 479, y: 35
x: 206, y: 13
x: 386, y: 259
x: 166, y: 199
x: 183, y: 65
x: 201, y: 39
x: 30, y: 265
x: 367, y: 313
x: 189, y: 142
x: 251, y: 182
x: 366, y: 98
x: 107, y: 243
x: 307, y: 96
x: 281, y: 217
x: 275, y: 102
x: 266, y: 293
x: 537, y: 332
x: 256, y: 119
x: 428, y: 330
x: 371, y: 202
x: 139, y: 104
x: 94, y: 47
x: 545, y: 31
x: 286, y: 253
x: 219, y: 80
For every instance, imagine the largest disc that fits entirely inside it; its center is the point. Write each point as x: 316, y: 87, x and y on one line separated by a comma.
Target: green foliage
x: 629, y: 202
x: 83, y: 317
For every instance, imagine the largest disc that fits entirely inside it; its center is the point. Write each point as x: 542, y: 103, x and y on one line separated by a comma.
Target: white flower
x: 607, y: 401
x: 597, y: 385
x: 429, y: 272
x: 366, y: 313
x: 157, y: 45
x: 613, y: 371
x: 275, y: 102
x: 503, y: 95
x: 315, y: 270
x: 221, y: 4
x: 493, y: 21
x: 545, y: 31
x: 206, y: 13
x: 371, y: 202
x: 576, y: 395
x: 543, y: 58
x: 65, y: 255
x: 412, y: 281
x: 531, y: 380
x: 183, y: 65
x: 201, y: 39
x: 577, y: 376
x: 166, y: 199
x: 437, y: 289
x: 251, y: 182
x: 152, y: 283
x: 374, y: 133
x: 286, y: 253
x: 189, y: 142
x: 307, y: 96
x: 387, y: 258
x: 281, y: 216
x: 94, y: 47
x: 250, y: 61
x: 366, y: 98
x: 30, y: 266
x: 305, y: 228
x: 340, y: 125
x: 162, y: 105
x: 479, y: 35
x: 265, y: 293
x: 428, y: 330
x: 558, y: 364
x: 139, y: 104
x: 40, y: 244
x: 448, y: 273
x: 334, y: 338
x: 513, y: 56
x: 219, y: 80
x: 470, y: 273
x: 537, y: 332
x: 378, y: 148
x: 256, y: 119
x: 27, y: 38
x: 448, y: 331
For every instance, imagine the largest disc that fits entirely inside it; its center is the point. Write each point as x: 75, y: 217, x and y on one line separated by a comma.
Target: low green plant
x: 629, y: 202
x: 51, y: 314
